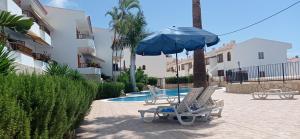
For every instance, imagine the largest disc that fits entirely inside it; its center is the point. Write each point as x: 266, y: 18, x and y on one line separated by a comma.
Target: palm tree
x: 200, y: 79
x: 118, y: 15
x: 135, y: 33
x: 17, y: 24
x: 115, y: 25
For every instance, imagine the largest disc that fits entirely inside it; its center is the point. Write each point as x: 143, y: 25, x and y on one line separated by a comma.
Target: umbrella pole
x: 177, y: 79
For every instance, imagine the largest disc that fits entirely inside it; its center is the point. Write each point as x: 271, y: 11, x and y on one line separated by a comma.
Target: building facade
x: 252, y: 52
x: 73, y: 41
x: 33, y: 50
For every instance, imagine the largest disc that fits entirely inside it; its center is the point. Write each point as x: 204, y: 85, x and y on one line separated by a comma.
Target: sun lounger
x: 154, y: 96
x: 205, y: 100
x: 279, y: 92
x: 185, y: 112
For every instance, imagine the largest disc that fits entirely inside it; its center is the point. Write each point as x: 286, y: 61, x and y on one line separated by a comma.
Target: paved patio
x: 243, y: 118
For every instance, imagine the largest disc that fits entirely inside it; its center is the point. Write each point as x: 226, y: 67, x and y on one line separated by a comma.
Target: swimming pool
x: 142, y: 96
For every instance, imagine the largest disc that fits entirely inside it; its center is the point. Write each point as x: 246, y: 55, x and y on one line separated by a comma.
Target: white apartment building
x: 33, y: 50
x: 185, y: 66
x: 73, y: 41
x: 252, y: 52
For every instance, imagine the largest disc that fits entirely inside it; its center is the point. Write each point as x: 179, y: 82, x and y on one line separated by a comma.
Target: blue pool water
x: 144, y: 95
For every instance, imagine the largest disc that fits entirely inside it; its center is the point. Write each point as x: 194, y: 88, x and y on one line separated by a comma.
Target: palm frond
x: 6, y: 61
x: 14, y: 22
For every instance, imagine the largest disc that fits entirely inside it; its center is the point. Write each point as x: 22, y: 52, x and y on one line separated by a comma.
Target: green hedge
x: 45, y: 107
x: 184, y: 79
x: 110, y: 90
x: 152, y: 81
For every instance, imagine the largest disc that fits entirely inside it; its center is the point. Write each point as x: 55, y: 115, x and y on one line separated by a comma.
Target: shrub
x: 184, y: 79
x: 55, y: 69
x: 140, y: 86
x: 110, y: 90
x: 152, y: 81
x: 141, y: 77
x: 42, y: 106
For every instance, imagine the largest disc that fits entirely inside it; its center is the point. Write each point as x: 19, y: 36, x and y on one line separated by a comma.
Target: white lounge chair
x: 205, y: 100
x: 279, y: 92
x: 282, y: 94
x: 184, y: 111
x: 154, y: 96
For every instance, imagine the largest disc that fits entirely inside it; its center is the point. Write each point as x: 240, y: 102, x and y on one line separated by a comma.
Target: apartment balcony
x: 23, y: 59
x: 37, y: 31
x: 46, y: 37
x: 10, y: 6
x: 90, y: 70
x: 41, y: 65
x: 20, y: 47
x: 86, y: 43
x: 41, y: 57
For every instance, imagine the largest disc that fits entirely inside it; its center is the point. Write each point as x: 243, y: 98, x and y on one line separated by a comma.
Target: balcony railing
x: 84, y: 36
x: 20, y: 46
x: 88, y: 65
x: 90, y: 71
x: 41, y: 57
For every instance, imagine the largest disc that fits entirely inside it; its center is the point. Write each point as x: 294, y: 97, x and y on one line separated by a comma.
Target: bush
x: 55, y: 69
x: 141, y: 77
x: 140, y: 86
x: 34, y: 106
x: 110, y: 90
x: 152, y: 81
x: 184, y: 79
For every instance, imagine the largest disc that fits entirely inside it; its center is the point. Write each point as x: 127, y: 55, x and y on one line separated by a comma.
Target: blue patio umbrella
x: 174, y: 40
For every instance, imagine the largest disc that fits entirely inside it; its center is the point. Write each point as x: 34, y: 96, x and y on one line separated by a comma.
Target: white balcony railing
x: 45, y: 36
x: 90, y: 71
x: 23, y: 59
x: 10, y: 6
x: 35, y: 30
x: 86, y: 45
x: 40, y: 65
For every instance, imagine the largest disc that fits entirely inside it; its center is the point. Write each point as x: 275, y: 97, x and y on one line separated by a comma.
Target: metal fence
x: 271, y: 72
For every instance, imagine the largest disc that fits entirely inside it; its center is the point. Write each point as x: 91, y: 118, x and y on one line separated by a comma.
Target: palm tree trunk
x: 132, y: 70
x: 112, y: 56
x: 121, y: 58
x: 116, y: 63
x: 200, y: 79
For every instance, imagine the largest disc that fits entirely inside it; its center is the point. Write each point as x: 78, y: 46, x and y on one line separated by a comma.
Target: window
x: 228, y: 56
x: 220, y: 58
x: 182, y: 67
x: 261, y: 55
x: 220, y: 72
x: 179, y: 68
x: 144, y: 67
x: 115, y: 67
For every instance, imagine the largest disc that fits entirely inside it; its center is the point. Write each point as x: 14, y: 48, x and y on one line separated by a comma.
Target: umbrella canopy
x: 175, y: 40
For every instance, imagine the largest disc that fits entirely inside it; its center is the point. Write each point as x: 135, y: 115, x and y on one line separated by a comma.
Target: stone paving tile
x: 243, y: 118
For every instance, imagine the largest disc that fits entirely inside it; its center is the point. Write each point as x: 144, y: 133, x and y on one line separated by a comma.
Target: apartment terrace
x: 25, y: 55
x: 39, y: 32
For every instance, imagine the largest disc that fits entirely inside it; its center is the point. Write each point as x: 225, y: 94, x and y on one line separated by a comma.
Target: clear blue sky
x: 219, y: 16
